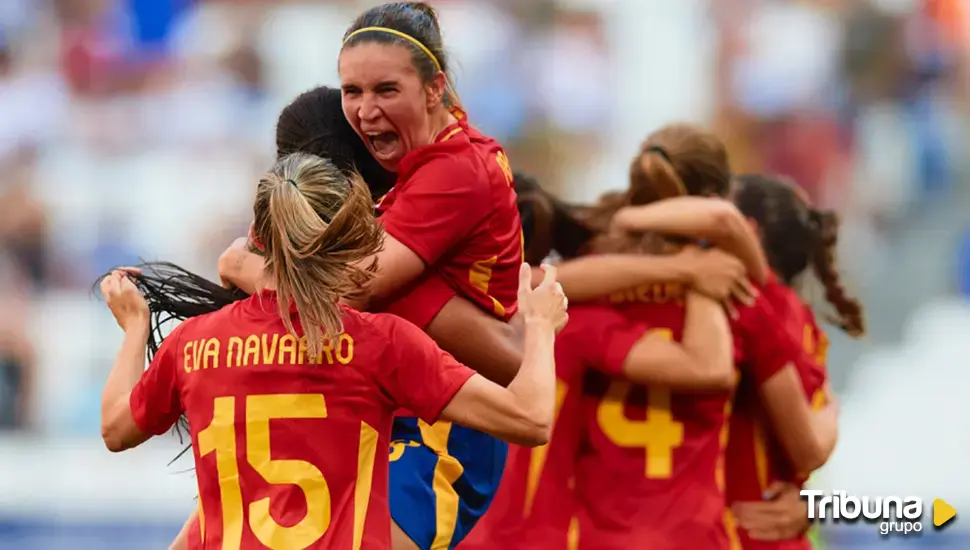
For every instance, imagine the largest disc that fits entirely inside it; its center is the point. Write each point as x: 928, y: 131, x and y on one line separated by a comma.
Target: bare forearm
x: 534, y: 386
x: 825, y: 432
x: 807, y: 436
x: 714, y: 220
x: 707, y: 336
x: 523, y: 413
x: 127, y: 369
x: 597, y: 276
x: 826, y: 425
x: 740, y: 240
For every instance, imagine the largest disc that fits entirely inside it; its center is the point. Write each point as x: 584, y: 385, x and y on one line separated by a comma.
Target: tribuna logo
x: 902, y: 515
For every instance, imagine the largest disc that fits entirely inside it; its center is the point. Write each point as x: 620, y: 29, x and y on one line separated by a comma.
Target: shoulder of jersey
x: 783, y: 296
x: 376, y: 326
x: 449, y: 162
x: 217, y: 315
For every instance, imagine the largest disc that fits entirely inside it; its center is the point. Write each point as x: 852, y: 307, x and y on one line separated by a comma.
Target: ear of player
x: 942, y: 513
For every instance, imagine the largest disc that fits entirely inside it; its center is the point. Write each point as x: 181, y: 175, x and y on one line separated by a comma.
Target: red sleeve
x: 155, y: 401
x: 767, y: 346
x: 439, y: 207
x: 602, y: 336
x: 419, y: 376
x: 422, y: 300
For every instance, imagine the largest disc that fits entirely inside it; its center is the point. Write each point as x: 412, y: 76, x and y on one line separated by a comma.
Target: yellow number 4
x: 220, y: 437
x: 658, y: 435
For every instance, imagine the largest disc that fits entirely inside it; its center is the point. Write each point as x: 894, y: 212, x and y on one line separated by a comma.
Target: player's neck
x: 439, y: 122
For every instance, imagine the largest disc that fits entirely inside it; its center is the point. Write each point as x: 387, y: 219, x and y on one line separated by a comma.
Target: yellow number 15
x: 220, y: 437
x: 658, y: 435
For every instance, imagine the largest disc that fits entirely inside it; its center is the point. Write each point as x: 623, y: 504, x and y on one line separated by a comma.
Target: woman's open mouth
x: 383, y: 144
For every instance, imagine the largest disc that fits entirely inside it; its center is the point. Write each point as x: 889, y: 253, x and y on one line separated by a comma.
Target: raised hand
x: 124, y: 300
x: 547, y: 302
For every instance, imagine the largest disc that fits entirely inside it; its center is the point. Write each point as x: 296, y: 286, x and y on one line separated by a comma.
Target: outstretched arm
x: 716, y: 220
x: 523, y: 412
x: 713, y: 273
x: 595, y: 276
x: 424, y: 377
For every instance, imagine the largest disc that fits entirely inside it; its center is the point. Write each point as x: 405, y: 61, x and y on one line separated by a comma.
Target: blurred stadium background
x: 136, y: 128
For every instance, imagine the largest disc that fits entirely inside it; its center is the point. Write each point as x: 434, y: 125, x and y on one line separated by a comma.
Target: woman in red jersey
x: 315, y: 374
x: 809, y: 436
x: 649, y: 448
x: 452, y: 229
x: 452, y: 215
x: 534, y: 506
x: 314, y: 123
x: 796, y: 237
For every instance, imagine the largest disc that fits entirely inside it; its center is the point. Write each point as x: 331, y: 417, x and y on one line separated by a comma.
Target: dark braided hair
x: 176, y: 294
x: 796, y: 236
x: 314, y: 123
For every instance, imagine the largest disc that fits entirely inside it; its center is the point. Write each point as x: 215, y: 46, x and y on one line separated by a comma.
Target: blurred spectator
x: 32, y: 101
x: 111, y: 248
x: 16, y: 350
x: 94, y: 47
x: 23, y: 224
x: 567, y: 69
x: 779, y: 80
x: 487, y: 71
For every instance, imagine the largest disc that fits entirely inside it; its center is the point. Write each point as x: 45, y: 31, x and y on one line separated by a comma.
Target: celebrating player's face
x: 385, y: 101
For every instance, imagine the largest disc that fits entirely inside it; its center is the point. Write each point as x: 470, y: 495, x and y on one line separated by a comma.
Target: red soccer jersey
x: 534, y: 507
x: 455, y: 207
x: 754, y: 458
x: 652, y: 472
x: 291, y: 450
x: 646, y: 476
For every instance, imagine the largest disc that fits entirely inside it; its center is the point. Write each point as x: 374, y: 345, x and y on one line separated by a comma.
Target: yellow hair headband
x: 398, y: 34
